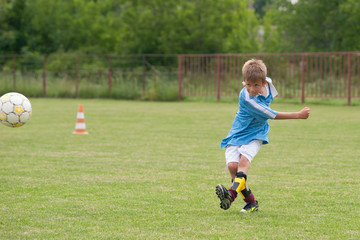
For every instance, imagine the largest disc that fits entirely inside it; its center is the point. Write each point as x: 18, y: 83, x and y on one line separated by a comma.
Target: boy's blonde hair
x: 254, y: 70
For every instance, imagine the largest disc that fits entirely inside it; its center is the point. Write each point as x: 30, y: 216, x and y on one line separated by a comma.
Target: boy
x: 249, y: 131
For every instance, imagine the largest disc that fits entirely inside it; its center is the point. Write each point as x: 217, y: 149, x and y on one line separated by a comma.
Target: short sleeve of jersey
x: 257, y: 108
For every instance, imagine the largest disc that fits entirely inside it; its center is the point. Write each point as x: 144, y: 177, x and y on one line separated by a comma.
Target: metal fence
x: 298, y: 75
x: 302, y: 75
x: 85, y: 75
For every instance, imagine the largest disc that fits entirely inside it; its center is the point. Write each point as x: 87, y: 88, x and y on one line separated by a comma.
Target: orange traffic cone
x: 80, y: 127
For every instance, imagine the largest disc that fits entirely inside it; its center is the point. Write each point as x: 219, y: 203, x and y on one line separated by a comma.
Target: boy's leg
x: 238, y: 160
x: 243, y: 165
x: 240, y: 185
x: 233, y: 169
x: 232, y: 157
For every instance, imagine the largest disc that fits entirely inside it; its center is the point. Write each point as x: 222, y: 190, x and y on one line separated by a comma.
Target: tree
x: 73, y: 25
x: 12, y: 26
x: 201, y: 26
x: 313, y: 25
x: 127, y: 26
x: 261, y: 6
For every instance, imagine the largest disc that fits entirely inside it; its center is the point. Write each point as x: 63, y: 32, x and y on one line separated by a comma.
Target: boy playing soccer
x: 249, y: 131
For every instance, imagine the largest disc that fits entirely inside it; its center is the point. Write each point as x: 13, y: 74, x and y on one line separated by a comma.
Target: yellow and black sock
x: 239, y: 185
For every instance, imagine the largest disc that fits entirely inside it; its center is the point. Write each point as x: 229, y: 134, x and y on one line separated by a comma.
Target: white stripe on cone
x: 80, y: 127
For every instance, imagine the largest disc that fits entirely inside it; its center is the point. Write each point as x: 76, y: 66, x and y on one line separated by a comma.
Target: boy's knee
x: 244, y: 160
x: 232, y: 166
x: 243, y: 165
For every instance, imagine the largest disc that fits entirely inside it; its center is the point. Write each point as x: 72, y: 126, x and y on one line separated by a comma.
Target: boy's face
x: 255, y: 87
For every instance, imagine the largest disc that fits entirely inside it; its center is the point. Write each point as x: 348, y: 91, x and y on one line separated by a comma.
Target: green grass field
x: 148, y: 170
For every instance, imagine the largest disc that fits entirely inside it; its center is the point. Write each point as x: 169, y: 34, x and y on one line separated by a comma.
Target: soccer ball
x: 15, y: 109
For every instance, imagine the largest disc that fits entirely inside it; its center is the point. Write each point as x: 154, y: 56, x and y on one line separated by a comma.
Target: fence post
x: 143, y: 74
x: 44, y: 76
x: 179, y: 77
x: 303, y: 79
x: 349, y: 80
x: 14, y: 71
x: 218, y: 78
x: 76, y: 76
x: 109, y: 75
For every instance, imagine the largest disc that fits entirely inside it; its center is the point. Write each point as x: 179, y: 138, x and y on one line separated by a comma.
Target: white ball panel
x: 24, y: 117
x: 6, y: 124
x: 12, y: 118
x: 27, y: 105
x: 16, y: 99
x: 7, y: 107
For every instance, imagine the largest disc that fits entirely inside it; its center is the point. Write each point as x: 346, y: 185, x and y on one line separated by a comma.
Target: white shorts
x: 233, y: 153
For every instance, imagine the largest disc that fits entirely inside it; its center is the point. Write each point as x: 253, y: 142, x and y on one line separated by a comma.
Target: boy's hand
x: 304, y: 113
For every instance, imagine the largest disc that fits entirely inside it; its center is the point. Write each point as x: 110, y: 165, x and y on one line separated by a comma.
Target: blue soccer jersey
x: 250, y: 121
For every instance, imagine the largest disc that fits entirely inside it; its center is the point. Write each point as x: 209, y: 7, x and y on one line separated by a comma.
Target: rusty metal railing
x: 295, y: 75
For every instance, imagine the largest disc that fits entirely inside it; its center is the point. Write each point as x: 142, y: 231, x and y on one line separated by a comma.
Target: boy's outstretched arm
x: 302, y: 114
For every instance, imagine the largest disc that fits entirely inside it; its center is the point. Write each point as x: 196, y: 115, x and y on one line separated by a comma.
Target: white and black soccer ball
x: 15, y: 109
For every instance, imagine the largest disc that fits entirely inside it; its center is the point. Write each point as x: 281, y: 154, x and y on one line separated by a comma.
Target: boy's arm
x: 303, y: 114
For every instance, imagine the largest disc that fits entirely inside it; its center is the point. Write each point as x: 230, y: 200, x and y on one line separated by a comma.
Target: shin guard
x: 239, y: 185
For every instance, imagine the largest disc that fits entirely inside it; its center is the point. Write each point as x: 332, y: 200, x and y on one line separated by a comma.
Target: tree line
x: 178, y: 26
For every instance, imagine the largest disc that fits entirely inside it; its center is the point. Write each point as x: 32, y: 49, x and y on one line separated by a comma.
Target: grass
x: 148, y: 170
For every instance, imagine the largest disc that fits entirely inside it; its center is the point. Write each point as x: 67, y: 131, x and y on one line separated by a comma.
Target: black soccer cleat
x: 224, y: 196
x: 250, y: 207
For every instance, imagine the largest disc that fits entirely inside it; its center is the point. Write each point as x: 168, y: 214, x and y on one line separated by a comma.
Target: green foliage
x: 272, y: 41
x: 127, y: 27
x: 261, y: 7
x: 312, y: 25
x: 70, y: 26
x: 13, y: 32
x: 92, y: 85
x: 177, y: 27
x: 162, y: 91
